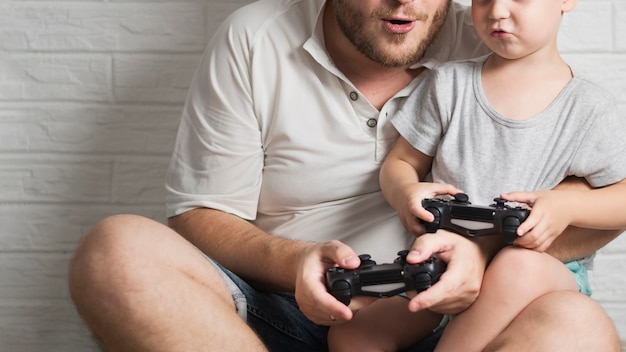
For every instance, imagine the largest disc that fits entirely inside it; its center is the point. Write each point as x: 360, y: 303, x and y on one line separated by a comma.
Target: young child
x: 516, y: 120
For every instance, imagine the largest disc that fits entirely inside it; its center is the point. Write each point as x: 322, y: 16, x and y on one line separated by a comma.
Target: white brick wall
x: 90, y: 96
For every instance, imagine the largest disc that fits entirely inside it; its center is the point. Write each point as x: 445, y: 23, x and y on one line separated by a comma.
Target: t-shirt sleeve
x: 217, y: 160
x: 419, y: 120
x: 601, y: 157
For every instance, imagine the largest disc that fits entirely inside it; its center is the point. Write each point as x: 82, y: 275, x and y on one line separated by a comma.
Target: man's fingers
x: 339, y: 253
x: 426, y: 245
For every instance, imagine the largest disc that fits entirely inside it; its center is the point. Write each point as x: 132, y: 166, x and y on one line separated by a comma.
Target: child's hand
x: 548, y: 218
x: 413, y: 212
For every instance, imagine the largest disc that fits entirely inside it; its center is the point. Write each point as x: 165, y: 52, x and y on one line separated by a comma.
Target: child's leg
x: 514, y: 279
x: 385, y: 325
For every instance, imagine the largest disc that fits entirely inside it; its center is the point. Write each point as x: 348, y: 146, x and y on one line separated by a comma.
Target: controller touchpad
x: 472, y: 225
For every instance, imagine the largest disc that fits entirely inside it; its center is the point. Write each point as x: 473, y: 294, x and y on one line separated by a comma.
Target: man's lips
x: 399, y: 25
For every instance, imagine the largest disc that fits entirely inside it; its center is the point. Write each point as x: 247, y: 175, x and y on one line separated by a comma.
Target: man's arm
x: 270, y: 262
x: 578, y: 242
x: 264, y: 260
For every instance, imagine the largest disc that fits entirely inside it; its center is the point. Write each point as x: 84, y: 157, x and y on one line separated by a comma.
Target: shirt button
x: 354, y: 96
x: 372, y: 123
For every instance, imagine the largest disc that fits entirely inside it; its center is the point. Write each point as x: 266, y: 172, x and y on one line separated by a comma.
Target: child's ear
x: 568, y: 5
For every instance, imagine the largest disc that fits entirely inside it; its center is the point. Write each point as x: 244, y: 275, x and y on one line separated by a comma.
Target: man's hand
x: 313, y: 299
x: 460, y: 284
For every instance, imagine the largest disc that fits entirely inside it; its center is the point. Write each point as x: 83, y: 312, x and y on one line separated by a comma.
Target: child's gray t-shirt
x: 485, y: 154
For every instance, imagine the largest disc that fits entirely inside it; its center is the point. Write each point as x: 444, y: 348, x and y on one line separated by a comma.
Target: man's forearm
x: 267, y: 261
x: 575, y: 242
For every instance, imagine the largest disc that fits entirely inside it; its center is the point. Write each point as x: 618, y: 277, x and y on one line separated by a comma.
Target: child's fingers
x: 520, y: 197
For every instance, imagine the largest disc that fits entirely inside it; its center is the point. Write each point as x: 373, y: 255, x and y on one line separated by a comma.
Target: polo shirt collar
x: 316, y: 46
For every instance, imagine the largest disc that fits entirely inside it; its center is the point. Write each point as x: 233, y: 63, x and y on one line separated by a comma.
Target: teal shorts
x: 580, y: 274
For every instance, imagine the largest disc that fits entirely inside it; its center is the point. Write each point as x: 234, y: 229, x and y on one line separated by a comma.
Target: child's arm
x: 553, y: 210
x: 400, y: 177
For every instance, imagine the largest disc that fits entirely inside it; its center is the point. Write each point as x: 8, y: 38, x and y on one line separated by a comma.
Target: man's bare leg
x: 560, y: 321
x: 141, y: 287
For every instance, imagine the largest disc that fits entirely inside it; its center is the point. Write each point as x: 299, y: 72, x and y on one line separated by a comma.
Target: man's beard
x: 353, y: 22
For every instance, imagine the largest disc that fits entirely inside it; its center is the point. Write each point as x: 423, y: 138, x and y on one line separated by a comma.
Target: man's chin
x: 397, y: 56
x: 399, y: 51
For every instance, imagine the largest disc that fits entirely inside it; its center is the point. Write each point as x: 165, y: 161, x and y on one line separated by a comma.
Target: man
x: 275, y: 177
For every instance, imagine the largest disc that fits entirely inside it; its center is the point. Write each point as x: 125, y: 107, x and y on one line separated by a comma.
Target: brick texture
x: 90, y: 97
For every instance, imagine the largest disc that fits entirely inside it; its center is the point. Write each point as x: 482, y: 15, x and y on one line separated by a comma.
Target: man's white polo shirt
x: 273, y: 132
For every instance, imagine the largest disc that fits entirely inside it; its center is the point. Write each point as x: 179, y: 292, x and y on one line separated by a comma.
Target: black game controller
x: 383, y: 280
x: 460, y: 216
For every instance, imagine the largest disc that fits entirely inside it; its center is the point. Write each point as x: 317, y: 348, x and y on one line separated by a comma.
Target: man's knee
x: 129, y: 253
x: 105, y: 255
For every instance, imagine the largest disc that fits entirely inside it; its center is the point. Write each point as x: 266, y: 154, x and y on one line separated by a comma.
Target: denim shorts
x: 279, y: 322
x: 579, y: 270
